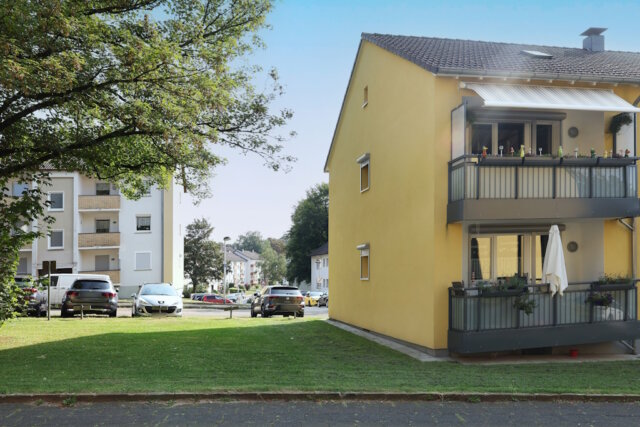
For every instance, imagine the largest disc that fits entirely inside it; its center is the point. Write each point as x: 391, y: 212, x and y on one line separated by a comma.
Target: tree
x: 273, y: 264
x: 203, y: 258
x: 250, y: 241
x: 136, y: 92
x: 309, y: 229
x: 278, y: 245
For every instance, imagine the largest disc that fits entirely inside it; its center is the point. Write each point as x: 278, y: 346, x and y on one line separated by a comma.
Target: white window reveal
x: 143, y: 223
x: 364, y: 261
x: 56, y: 239
x: 365, y: 175
x: 56, y: 201
x: 143, y: 260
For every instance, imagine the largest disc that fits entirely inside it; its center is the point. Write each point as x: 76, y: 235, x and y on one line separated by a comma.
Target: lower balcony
x: 98, y: 240
x: 513, y: 188
x: 482, y: 320
x: 114, y: 275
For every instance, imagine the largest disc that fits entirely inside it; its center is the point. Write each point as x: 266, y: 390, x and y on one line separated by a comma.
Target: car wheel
x: 113, y: 313
x: 301, y: 314
x: 64, y: 313
x: 253, y: 313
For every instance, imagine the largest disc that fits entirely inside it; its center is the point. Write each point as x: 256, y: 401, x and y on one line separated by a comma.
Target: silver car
x: 156, y: 298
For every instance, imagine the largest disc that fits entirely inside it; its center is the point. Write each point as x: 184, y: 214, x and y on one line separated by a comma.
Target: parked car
x: 156, y: 298
x: 36, y: 300
x: 197, y: 297
x: 90, y: 296
x: 323, y: 301
x: 61, y: 283
x: 285, y: 300
x: 235, y: 297
x: 216, y: 299
x: 311, y: 298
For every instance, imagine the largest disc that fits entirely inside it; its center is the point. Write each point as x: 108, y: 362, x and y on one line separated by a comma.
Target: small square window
x: 143, y: 223
x: 19, y: 188
x: 56, y: 239
x: 56, y: 201
x: 143, y: 260
x: 103, y: 189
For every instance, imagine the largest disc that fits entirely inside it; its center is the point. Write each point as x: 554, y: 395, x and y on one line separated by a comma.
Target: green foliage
x: 309, y: 230
x: 203, y: 258
x: 135, y: 92
x: 278, y: 245
x: 618, y: 121
x: 613, y: 278
x: 250, y: 241
x: 273, y: 264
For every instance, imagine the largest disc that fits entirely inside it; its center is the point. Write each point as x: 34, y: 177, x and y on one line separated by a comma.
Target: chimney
x: 594, y: 40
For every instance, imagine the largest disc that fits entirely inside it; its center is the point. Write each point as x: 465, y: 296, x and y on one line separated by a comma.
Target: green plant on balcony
x: 523, y: 303
x: 618, y: 121
x: 600, y: 299
x: 613, y: 279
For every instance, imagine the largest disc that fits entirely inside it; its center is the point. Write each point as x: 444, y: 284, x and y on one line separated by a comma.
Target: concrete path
x: 394, y: 345
x: 279, y: 413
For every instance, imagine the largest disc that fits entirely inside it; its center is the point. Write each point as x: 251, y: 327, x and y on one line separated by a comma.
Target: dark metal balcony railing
x: 475, y: 309
x: 541, y: 178
x: 482, y: 320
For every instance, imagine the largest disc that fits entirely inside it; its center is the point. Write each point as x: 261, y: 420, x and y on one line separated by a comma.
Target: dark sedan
x: 90, y: 296
x: 323, y: 301
x: 284, y: 300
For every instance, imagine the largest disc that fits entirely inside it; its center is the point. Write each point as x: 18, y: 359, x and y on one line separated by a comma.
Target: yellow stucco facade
x: 405, y: 126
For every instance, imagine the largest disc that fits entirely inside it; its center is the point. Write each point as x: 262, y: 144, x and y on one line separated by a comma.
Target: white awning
x: 550, y: 98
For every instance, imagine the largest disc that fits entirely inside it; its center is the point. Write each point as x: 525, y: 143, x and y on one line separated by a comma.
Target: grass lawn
x: 195, y: 354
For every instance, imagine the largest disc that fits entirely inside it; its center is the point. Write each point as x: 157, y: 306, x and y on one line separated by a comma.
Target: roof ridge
x: 363, y: 35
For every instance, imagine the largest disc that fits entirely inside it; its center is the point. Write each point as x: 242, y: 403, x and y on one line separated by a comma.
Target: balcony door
x: 499, y: 256
x: 102, y: 262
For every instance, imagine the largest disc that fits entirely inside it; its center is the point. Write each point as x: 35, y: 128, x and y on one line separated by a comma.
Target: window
x: 19, y: 188
x: 56, y: 239
x: 56, y: 201
x: 365, y: 97
x: 22, y: 265
x: 143, y: 261
x: 103, y: 188
x: 481, y: 136
x: 511, y: 135
x: 364, y: 261
x: 143, y: 223
x: 544, y: 139
x: 102, y: 225
x: 101, y: 262
x: 494, y: 257
x: 365, y: 179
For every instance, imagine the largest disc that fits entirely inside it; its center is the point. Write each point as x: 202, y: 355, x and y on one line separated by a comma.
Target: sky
x: 313, y: 45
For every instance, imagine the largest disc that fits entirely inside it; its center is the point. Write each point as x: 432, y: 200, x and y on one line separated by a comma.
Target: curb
x: 315, y: 396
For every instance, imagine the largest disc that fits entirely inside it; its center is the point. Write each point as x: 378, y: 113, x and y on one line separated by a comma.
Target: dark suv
x: 283, y: 300
x: 90, y: 296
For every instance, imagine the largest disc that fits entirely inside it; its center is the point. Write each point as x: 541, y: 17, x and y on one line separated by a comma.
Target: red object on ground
x: 573, y: 352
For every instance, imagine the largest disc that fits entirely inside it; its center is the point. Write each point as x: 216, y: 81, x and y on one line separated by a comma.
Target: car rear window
x: 285, y: 291
x: 100, y: 285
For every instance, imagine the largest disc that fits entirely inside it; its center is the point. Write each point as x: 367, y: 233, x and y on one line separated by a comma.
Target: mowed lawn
x: 195, y: 354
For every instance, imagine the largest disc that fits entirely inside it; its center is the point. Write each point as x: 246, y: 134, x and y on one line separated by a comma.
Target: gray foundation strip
x: 315, y: 396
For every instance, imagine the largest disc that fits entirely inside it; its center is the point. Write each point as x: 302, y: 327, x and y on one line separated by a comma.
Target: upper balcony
x: 529, y: 152
x: 510, y: 188
x: 99, y: 203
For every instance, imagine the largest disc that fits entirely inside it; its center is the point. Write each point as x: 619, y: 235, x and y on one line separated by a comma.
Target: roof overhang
x: 549, y: 98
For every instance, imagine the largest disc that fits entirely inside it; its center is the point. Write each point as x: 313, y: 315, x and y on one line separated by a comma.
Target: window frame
x: 135, y: 261
x: 49, y: 208
x: 365, y: 96
x: 364, y: 253
x: 24, y: 185
x: 26, y: 266
x: 108, y: 189
x: 143, y: 216
x: 103, y: 219
x: 529, y: 135
x: 55, y: 248
x: 365, y: 161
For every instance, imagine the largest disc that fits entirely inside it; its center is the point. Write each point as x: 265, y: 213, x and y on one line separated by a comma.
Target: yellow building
x: 425, y: 230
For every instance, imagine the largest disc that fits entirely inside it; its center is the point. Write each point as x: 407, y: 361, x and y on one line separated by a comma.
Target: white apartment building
x: 320, y: 268
x: 243, y: 268
x: 96, y: 230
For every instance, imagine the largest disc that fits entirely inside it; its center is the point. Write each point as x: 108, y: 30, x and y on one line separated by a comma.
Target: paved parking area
x: 315, y: 312
x: 325, y: 414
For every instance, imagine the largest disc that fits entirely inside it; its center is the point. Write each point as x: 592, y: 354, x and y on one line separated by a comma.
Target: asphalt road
x: 325, y: 414
x: 315, y: 312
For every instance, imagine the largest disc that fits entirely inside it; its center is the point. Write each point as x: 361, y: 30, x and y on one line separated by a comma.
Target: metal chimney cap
x: 594, y: 31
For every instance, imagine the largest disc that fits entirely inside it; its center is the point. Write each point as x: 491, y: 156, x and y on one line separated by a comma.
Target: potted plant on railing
x: 613, y: 280
x: 600, y: 299
x: 524, y: 304
x: 514, y: 285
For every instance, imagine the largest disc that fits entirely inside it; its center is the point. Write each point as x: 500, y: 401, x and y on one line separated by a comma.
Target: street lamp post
x: 224, y: 268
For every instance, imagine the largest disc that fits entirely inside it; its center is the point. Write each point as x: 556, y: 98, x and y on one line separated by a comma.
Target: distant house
x: 320, y: 268
x: 243, y: 268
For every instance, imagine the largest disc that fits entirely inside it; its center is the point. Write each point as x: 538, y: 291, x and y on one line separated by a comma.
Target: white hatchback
x: 156, y: 298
